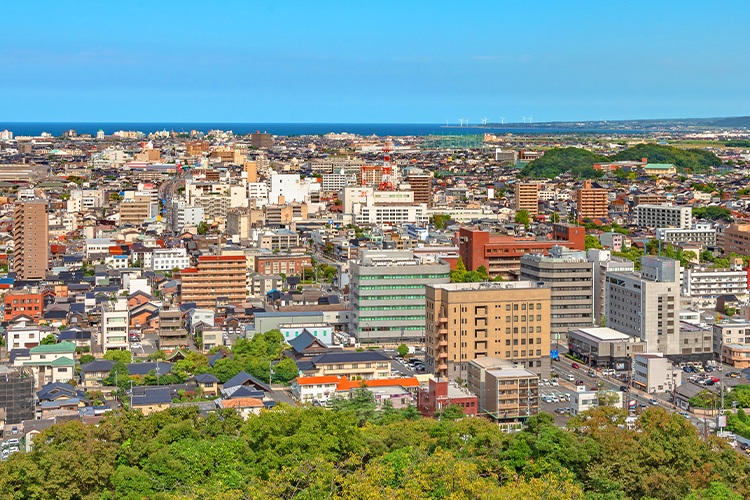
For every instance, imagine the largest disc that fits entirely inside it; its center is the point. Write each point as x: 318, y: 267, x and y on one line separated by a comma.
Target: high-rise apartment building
x: 646, y: 304
x: 602, y: 262
x: 30, y: 240
x: 663, y: 216
x: 570, y: 277
x: 387, y: 294
x: 591, y: 203
x: 421, y: 186
x: 527, y: 197
x: 216, y: 276
x: 508, y: 320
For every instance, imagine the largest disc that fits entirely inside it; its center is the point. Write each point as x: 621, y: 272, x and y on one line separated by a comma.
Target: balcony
x: 442, y: 355
x: 442, y: 367
x: 442, y: 320
x: 443, y: 343
x: 442, y: 331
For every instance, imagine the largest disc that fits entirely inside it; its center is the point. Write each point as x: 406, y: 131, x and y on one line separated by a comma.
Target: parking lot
x: 556, y: 400
x: 8, y: 447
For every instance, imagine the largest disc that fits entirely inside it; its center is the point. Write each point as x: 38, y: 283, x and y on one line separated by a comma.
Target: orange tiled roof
x: 241, y: 402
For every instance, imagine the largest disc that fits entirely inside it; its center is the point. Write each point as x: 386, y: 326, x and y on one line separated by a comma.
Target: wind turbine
x: 502, y: 120
x: 462, y: 122
x: 484, y: 121
x: 524, y: 119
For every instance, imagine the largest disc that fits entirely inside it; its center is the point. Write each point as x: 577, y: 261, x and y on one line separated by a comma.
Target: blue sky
x: 387, y: 62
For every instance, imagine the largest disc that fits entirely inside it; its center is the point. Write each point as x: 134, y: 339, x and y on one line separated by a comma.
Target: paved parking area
x: 561, y: 419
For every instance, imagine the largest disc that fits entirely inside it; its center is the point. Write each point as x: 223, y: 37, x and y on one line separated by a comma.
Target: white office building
x: 705, y: 285
x: 169, y: 258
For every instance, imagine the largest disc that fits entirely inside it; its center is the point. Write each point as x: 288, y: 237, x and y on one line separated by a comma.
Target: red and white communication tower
x: 386, y: 181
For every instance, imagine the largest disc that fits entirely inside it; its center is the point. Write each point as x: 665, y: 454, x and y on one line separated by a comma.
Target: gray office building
x: 387, y: 295
x: 570, y: 277
x: 646, y: 304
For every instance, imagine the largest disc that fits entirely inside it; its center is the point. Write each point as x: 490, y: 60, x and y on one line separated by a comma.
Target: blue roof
x: 243, y: 377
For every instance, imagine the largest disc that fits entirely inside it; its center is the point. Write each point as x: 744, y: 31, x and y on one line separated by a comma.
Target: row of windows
x: 405, y: 276
x: 389, y: 297
x: 392, y: 287
x: 389, y: 318
x: 389, y: 308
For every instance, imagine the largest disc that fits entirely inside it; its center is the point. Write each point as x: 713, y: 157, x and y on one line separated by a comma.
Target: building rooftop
x: 603, y: 334
x: 494, y: 285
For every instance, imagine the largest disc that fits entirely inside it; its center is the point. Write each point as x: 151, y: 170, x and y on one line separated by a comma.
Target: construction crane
x: 386, y: 182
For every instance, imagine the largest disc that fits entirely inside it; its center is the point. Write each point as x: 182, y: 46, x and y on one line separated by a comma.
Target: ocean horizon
x: 281, y: 129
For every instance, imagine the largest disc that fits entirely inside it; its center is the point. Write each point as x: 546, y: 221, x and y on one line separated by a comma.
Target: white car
x: 555, y: 399
x: 554, y: 383
x: 545, y: 382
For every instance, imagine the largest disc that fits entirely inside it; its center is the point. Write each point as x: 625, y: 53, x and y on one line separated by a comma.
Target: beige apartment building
x: 591, y: 203
x: 280, y: 215
x: 216, y: 276
x: 507, y: 320
x: 505, y: 392
x: 30, y: 240
x: 135, y: 211
x: 527, y: 197
x: 737, y: 239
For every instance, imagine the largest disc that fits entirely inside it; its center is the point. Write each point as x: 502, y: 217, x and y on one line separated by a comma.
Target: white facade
x: 287, y: 185
x: 309, y: 389
x: 321, y: 331
x: 704, y: 235
x: 114, y: 327
x: 20, y: 337
x: 705, y: 285
x: 168, y: 259
x: 258, y: 191
x: 393, y: 214
x: 98, y: 246
x: 655, y: 373
x: 664, y: 216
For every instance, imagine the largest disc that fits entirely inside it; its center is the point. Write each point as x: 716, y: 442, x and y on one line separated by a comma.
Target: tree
x: 554, y: 217
x: 158, y: 354
x: 452, y: 412
x: 124, y: 356
x: 286, y: 370
x: 483, y: 273
x: 49, y: 340
x: 458, y: 272
x: 403, y: 350
x: 608, y: 398
x: 523, y: 217
x: 716, y: 491
x: 119, y: 376
x: 592, y: 242
x: 86, y: 358
x: 202, y: 228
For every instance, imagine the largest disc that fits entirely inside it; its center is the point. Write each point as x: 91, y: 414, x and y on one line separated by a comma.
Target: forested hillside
x: 312, y: 453
x: 580, y: 161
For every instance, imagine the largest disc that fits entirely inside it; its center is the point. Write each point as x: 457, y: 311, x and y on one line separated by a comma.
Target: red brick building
x: 501, y: 254
x: 439, y: 394
x: 23, y: 302
x: 289, y: 264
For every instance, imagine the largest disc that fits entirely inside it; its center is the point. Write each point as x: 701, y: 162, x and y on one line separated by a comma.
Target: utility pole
x: 131, y: 394
x: 157, y: 371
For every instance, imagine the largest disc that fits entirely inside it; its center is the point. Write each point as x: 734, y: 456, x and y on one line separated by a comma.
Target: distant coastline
x: 631, y: 127
x: 288, y: 129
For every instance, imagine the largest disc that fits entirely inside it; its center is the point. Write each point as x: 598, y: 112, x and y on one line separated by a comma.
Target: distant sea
x: 287, y: 129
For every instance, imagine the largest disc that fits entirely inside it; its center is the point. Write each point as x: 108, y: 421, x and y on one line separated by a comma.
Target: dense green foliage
x: 460, y: 275
x: 694, y: 160
x: 579, y: 162
x: 311, y: 453
x: 712, y: 213
x: 738, y: 143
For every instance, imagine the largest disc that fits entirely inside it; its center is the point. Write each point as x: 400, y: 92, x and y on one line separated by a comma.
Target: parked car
x: 554, y: 383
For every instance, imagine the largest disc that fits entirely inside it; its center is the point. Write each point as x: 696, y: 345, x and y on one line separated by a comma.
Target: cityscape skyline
x: 342, y: 63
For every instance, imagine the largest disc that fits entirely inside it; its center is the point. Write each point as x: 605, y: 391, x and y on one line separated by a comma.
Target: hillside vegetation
x: 312, y: 453
x: 558, y: 161
x: 684, y: 159
x: 580, y: 161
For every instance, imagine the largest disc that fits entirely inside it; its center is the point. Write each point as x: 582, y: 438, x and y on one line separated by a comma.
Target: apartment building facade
x: 215, y: 276
x: 287, y: 263
x: 703, y: 234
x: 29, y: 302
x: 527, y: 197
x: 505, y: 392
x: 167, y: 259
x: 387, y: 294
x: 30, y: 240
x: 506, y: 320
x: 737, y: 239
x: 570, y: 277
x: 114, y: 327
x: 591, y: 203
x: 661, y: 216
x: 705, y: 285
